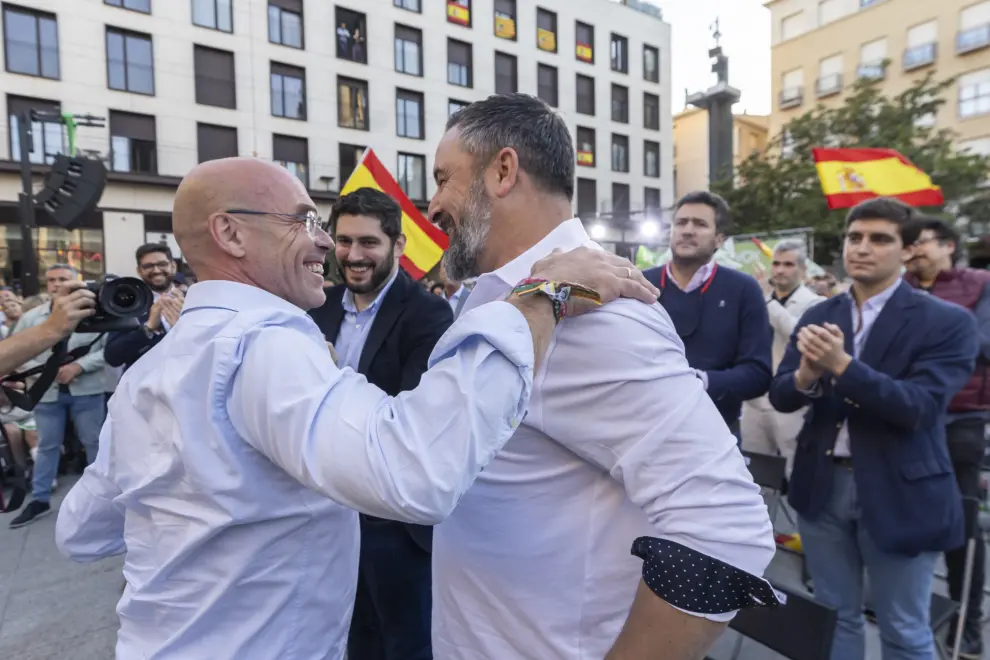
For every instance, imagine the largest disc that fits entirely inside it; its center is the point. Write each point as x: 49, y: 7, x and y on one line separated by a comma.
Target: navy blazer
x: 919, y: 353
x: 124, y: 348
x: 408, y: 325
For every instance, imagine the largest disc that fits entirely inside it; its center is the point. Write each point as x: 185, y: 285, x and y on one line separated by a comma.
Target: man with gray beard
x: 620, y: 446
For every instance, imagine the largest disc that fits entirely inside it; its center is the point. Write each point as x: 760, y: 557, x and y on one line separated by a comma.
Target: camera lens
x: 125, y: 297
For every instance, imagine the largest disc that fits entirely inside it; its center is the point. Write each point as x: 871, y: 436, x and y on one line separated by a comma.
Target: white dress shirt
x: 696, y: 280
x: 236, y: 453
x: 619, y: 441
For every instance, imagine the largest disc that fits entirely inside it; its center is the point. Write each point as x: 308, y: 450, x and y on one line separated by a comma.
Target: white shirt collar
x: 235, y: 296
x: 568, y: 235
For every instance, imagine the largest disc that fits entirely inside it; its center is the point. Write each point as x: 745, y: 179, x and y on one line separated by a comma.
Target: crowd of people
x: 404, y: 471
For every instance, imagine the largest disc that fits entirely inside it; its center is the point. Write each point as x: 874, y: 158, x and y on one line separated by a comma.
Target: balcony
x: 919, y: 56
x: 791, y: 97
x: 828, y: 85
x: 972, y: 39
x: 872, y: 70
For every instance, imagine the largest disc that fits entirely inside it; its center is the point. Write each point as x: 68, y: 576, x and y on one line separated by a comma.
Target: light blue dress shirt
x: 356, y: 325
x: 235, y: 456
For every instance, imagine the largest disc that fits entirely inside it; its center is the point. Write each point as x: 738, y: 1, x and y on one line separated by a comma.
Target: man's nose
x: 322, y: 239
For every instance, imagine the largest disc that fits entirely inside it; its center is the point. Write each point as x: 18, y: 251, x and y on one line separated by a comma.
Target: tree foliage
x: 779, y: 188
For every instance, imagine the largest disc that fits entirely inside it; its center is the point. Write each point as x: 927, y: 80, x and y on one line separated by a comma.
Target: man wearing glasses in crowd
x: 156, y: 267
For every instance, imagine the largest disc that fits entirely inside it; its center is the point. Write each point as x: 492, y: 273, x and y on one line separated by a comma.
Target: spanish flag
x: 850, y: 176
x: 425, y: 242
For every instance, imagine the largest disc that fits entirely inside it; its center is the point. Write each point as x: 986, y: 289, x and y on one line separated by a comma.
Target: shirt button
x: 839, y: 425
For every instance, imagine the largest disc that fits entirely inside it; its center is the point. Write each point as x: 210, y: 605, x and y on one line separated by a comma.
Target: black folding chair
x: 798, y: 629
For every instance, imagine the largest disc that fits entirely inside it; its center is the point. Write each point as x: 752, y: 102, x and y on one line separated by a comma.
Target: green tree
x: 779, y: 188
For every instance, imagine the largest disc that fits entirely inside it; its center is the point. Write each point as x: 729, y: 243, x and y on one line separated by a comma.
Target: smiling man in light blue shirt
x: 236, y: 454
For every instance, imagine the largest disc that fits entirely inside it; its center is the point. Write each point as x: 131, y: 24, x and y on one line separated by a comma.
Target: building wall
x: 749, y: 135
x: 82, y: 88
x: 806, y: 32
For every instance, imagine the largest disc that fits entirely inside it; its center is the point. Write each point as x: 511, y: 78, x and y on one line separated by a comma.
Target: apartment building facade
x: 311, y: 84
x: 821, y: 46
x: 749, y: 136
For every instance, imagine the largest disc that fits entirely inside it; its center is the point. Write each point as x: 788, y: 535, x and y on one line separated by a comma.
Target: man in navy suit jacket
x: 384, y: 325
x: 872, y: 481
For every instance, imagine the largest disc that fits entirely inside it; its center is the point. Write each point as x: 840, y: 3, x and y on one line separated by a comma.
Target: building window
x: 409, y: 114
x: 829, y: 76
x: 47, y: 137
x: 349, y: 155
x: 408, y: 50
x: 586, y: 146
x: 546, y: 30
x: 285, y: 22
x: 922, y: 45
x: 352, y: 103
x: 974, y: 28
x: 587, y: 198
x: 505, y: 73
x: 459, y: 63
x: 412, y: 175
x: 459, y: 12
x: 411, y: 5
x: 974, y: 93
x: 651, y: 111
x: 871, y: 59
x: 214, y: 142
x: 454, y: 106
x: 288, y: 91
x: 585, y: 94
x: 214, y: 14
x: 130, y: 66
x: 132, y: 143
x: 546, y: 84
x: 292, y: 153
x: 792, y: 89
x: 214, y: 70
x: 143, y: 6
x: 505, y: 19
x: 651, y: 64
x: 351, y: 36
x: 651, y: 199
x: 620, y: 201
x: 620, y: 103
x: 30, y: 42
x: 584, y: 42
x: 651, y: 159
x: 620, y: 153
x: 791, y: 26
x: 619, y: 46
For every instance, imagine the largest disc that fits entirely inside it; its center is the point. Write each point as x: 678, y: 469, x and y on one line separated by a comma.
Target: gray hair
x: 791, y: 245
x: 529, y: 126
x: 71, y: 269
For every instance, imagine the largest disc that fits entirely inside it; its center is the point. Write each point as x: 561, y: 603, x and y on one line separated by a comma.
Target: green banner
x: 740, y: 255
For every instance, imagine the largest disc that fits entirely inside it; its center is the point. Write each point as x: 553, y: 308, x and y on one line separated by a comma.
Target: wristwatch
x: 148, y: 332
x: 559, y: 293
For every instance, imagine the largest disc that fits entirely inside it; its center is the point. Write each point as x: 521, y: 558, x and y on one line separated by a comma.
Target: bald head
x: 218, y: 185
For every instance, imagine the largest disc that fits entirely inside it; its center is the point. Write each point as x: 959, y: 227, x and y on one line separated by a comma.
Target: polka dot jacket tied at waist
x: 698, y: 583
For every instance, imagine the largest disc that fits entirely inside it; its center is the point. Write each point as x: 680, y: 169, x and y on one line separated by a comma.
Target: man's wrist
x: 51, y: 331
x: 803, y: 380
x: 842, y: 365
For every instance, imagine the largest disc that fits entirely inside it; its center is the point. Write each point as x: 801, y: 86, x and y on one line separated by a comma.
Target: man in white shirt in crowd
x: 764, y: 430
x: 620, y: 444
x: 236, y: 455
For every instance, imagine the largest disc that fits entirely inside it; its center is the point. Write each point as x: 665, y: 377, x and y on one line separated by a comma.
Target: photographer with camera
x: 156, y: 267
x: 79, y: 384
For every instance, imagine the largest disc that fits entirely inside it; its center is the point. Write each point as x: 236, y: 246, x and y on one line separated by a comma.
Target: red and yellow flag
x: 425, y: 242
x: 849, y: 176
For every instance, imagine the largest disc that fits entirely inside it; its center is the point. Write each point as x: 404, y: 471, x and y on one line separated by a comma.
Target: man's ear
x: 400, y: 245
x: 227, y: 234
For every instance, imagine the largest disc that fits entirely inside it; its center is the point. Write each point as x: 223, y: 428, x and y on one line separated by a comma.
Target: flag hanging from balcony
x: 849, y: 176
x: 425, y: 242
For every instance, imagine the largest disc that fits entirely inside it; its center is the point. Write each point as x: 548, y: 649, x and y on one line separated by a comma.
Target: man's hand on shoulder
x: 71, y: 304
x: 609, y: 275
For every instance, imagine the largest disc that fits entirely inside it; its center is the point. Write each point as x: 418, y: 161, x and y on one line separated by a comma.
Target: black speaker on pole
x: 72, y: 189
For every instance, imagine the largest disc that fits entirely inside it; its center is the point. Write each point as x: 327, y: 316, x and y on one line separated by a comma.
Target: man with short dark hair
x: 719, y: 313
x: 383, y: 325
x: 932, y: 268
x: 619, y: 446
x: 156, y: 267
x: 872, y: 481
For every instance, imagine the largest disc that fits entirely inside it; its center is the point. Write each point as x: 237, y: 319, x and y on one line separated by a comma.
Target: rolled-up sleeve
x: 90, y: 522
x: 633, y: 406
x: 407, y: 458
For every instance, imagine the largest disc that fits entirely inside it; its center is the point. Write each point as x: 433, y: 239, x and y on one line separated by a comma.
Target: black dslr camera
x: 120, y: 302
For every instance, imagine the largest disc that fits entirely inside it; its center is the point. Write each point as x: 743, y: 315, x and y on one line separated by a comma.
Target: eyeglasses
x: 160, y: 265
x: 310, y: 218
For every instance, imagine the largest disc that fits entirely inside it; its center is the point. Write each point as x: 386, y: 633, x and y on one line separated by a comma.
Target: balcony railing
x: 791, y: 97
x: 972, y: 39
x: 871, y: 70
x: 919, y: 56
x: 828, y: 85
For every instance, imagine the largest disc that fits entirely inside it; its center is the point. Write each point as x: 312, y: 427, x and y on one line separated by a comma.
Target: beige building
x: 821, y: 46
x: 749, y: 135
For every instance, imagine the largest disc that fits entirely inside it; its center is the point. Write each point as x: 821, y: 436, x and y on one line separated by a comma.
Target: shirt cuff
x: 698, y: 584
x: 813, y: 391
x: 703, y: 376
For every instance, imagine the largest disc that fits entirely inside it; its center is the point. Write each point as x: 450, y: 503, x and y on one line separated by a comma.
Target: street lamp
x: 649, y: 229
x: 598, y: 231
